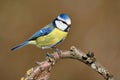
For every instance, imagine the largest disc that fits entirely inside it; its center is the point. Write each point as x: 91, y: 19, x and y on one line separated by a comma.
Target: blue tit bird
x: 50, y: 35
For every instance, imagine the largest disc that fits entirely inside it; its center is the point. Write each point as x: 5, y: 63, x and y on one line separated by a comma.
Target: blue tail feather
x: 19, y: 46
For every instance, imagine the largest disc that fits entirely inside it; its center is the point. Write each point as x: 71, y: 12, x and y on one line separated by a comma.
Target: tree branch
x: 42, y: 70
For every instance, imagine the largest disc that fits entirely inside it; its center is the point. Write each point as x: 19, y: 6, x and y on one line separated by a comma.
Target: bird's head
x: 63, y: 22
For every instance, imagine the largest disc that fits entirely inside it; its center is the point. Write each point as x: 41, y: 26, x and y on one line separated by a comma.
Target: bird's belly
x: 51, y: 39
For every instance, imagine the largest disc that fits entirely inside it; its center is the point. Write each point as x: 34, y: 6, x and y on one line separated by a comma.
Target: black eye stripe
x: 62, y: 21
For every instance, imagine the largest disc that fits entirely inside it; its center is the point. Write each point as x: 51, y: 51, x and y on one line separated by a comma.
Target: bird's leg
x: 57, y: 50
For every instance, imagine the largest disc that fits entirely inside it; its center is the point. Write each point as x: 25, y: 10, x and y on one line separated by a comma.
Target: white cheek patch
x: 61, y: 25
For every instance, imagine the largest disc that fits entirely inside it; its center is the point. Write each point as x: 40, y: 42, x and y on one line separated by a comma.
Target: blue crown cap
x: 64, y: 16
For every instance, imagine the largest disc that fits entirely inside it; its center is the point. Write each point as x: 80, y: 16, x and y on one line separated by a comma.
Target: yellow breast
x: 51, y: 39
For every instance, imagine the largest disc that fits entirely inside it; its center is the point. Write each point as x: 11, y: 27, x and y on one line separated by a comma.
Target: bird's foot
x: 50, y: 58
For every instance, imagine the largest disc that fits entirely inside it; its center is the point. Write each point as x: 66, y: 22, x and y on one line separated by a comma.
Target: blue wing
x: 44, y: 31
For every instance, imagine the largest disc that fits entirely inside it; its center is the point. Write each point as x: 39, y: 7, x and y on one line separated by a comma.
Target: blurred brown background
x: 95, y: 27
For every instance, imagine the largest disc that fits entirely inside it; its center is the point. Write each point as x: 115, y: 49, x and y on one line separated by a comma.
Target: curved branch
x: 42, y: 70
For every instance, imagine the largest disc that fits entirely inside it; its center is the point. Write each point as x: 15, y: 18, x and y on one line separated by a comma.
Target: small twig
x: 42, y: 70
